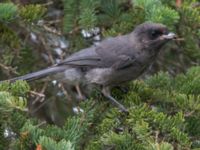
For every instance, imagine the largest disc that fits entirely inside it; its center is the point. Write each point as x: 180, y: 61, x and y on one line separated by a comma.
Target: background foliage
x: 164, y: 108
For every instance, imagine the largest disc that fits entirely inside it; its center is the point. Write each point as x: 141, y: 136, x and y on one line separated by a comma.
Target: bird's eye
x: 155, y: 33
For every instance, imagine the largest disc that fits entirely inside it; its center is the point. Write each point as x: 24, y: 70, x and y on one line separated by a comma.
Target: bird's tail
x: 38, y: 74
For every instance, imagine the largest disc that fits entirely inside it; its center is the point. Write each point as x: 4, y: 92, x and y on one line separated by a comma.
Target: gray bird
x: 112, y: 62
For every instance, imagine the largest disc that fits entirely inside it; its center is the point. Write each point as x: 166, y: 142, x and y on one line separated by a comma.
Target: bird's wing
x: 112, y: 52
x: 117, y: 53
x: 123, y: 62
x: 85, y: 57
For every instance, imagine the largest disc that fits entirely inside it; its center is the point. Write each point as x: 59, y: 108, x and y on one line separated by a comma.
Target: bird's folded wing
x: 123, y: 62
x: 112, y: 52
x: 85, y: 57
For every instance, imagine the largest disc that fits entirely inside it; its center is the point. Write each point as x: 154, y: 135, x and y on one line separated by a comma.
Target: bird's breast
x: 109, y: 76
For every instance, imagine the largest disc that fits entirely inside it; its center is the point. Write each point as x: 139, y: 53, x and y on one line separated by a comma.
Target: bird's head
x: 152, y: 35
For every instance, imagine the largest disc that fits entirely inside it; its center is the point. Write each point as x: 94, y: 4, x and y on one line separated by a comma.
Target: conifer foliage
x: 164, y: 108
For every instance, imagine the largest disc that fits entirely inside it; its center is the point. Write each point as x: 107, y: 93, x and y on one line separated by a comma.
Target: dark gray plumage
x: 112, y: 62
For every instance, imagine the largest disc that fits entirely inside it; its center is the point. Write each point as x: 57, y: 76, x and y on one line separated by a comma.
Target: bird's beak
x: 169, y: 36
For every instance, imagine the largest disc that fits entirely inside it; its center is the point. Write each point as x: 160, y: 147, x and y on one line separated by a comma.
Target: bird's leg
x: 80, y: 94
x: 106, y: 92
x: 66, y: 92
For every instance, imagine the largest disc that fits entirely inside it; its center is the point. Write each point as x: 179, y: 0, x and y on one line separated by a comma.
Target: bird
x: 112, y: 62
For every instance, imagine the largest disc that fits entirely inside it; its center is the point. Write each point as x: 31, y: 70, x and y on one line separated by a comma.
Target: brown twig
x: 40, y: 95
x: 9, y: 68
x: 54, y: 21
x: 179, y: 39
x: 188, y: 114
x: 48, y: 52
x: 48, y: 3
x: 51, y: 30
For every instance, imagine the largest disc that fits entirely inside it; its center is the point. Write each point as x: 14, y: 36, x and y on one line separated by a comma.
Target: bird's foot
x: 106, y: 93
